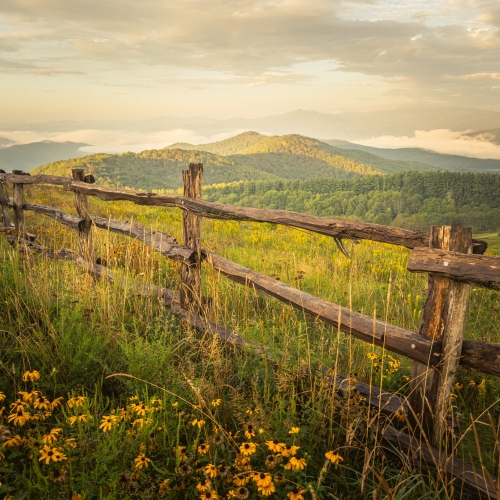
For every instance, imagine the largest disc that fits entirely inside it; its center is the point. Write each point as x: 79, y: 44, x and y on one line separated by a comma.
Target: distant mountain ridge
x: 253, y: 156
x: 344, y: 125
x: 439, y: 161
x: 28, y: 156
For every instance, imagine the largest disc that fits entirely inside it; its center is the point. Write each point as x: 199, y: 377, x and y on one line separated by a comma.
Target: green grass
x: 77, y: 332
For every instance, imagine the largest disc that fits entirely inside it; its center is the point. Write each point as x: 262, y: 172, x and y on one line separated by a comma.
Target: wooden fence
x: 449, y: 255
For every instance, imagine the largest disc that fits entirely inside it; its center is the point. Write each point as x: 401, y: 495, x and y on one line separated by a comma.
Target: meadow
x: 107, y: 395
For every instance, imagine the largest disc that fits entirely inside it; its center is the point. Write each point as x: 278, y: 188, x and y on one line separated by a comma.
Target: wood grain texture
x: 481, y: 270
x: 85, y: 238
x: 18, y: 203
x: 443, y: 320
x: 4, y: 207
x: 481, y: 357
x: 327, y: 226
x: 191, y: 230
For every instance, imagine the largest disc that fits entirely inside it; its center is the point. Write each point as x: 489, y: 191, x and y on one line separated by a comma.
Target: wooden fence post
x: 5, y: 207
x: 191, y: 230
x: 443, y: 320
x: 18, y: 207
x: 85, y: 239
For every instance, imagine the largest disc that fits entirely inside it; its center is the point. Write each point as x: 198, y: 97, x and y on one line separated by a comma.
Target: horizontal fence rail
x: 321, y: 225
x: 478, y: 356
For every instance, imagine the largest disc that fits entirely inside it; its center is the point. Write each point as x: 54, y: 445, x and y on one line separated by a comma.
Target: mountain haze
x: 28, y: 156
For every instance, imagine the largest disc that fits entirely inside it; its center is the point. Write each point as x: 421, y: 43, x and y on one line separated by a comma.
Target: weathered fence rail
x: 450, y: 257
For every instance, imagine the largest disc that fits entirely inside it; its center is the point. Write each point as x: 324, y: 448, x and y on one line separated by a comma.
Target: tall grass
x: 77, y: 332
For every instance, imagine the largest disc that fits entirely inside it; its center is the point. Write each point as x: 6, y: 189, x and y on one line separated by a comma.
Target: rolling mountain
x: 257, y: 145
x: 28, y: 156
x: 259, y: 158
x: 439, y: 161
x: 4, y: 142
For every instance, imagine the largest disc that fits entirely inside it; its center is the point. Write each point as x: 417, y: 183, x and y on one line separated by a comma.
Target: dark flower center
x: 247, y: 446
x: 50, y: 453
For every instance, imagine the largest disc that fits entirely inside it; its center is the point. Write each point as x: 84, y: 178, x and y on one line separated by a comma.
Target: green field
x: 77, y: 332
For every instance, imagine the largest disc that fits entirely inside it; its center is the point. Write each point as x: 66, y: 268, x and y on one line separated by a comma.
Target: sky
x: 125, y: 60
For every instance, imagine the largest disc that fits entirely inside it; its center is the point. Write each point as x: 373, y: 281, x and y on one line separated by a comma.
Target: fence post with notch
x: 190, y: 294
x: 443, y: 321
x: 85, y: 239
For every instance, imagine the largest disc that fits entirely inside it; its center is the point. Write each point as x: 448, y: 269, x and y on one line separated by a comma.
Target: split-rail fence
x: 448, y: 254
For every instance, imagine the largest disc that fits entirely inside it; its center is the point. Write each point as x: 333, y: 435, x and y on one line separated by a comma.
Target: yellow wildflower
x: 248, y: 449
x: 211, y: 471
x: 275, y: 446
x: 294, y: 430
x: 47, y: 453
x: 51, y: 437
x: 335, y: 458
x: 216, y: 402
x: 296, y: 464
x: 107, y: 422
x: 142, y: 461
x: 199, y: 423
x: 31, y: 375
x: 289, y: 450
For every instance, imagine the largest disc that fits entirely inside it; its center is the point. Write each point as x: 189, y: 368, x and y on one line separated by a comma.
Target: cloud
x: 442, y: 141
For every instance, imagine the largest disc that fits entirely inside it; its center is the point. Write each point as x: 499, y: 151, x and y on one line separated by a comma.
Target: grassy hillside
x: 439, y: 161
x: 289, y: 157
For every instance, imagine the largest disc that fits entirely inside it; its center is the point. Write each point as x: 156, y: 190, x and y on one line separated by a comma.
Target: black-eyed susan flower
x: 263, y: 479
x: 204, y: 485
x: 19, y: 418
x: 296, y: 493
x: 2, y: 396
x: 57, y: 402
x: 242, y: 493
x: 203, y: 448
x: 209, y: 495
x: 17, y: 405
x: 296, y: 464
x: 294, y: 430
x: 242, y: 463
x: 210, y: 471
x: 458, y: 385
x: 141, y: 461
x: 335, y: 458
x: 13, y: 441
x: 224, y: 470
x: 31, y: 375
x: 216, y: 402
x: 48, y: 453
x: 182, y: 450
x: 248, y: 449
x: 140, y: 408
x: 164, y: 487
x: 198, y: 422
x: 266, y: 490
x: 218, y: 440
x: 371, y: 356
x: 185, y: 469
x: 107, y: 422
x: 59, y: 455
x: 400, y: 415
x: 275, y: 446
x: 241, y: 480
x: 289, y: 450
x: 51, y: 436
x: 249, y: 431
x: 58, y: 475
x: 78, y: 418
x: 76, y: 401
x: 271, y: 462
x: 70, y: 443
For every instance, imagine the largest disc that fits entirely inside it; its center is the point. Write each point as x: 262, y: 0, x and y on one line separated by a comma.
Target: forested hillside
x: 410, y: 199
x: 290, y: 157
